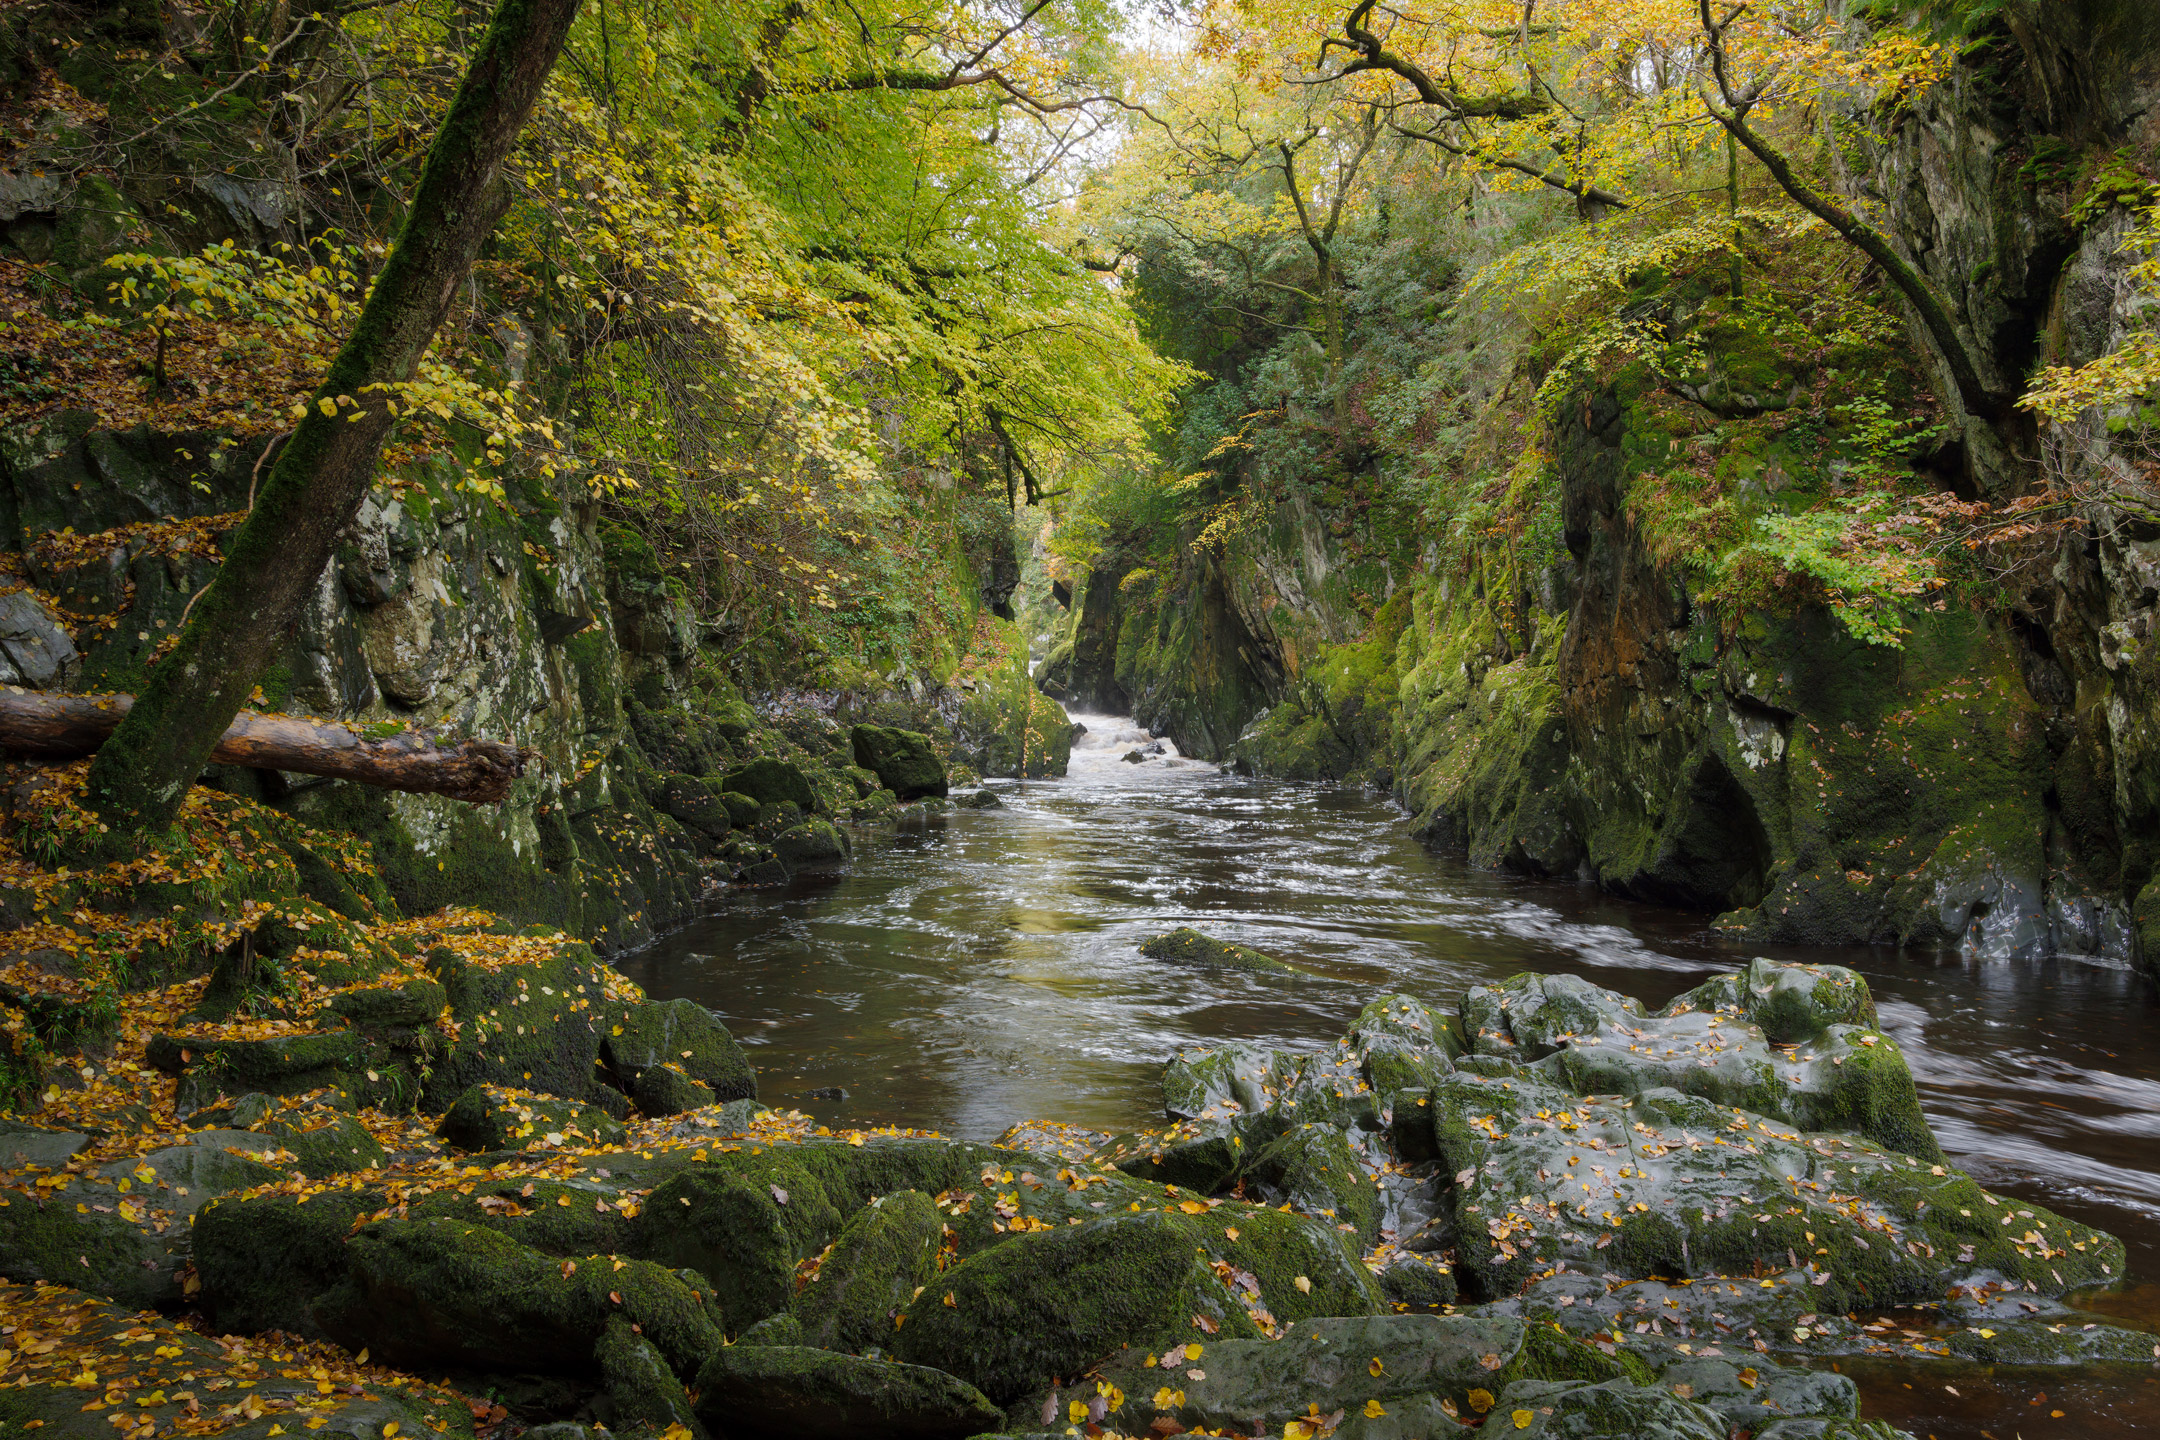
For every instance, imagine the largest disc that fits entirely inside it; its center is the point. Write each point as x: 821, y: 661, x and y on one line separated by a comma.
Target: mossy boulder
x: 1408, y: 1364
x: 1312, y: 1168
x: 1414, y: 1281
x: 1187, y: 946
x: 112, y: 1340
x: 813, y: 844
x: 697, y: 804
x: 122, y: 1230
x: 1400, y: 1043
x: 681, y: 1033
x: 263, y: 1263
x: 1790, y: 1003
x: 493, y: 1117
x: 641, y: 1388
x: 902, y: 760
x: 885, y: 1253
x: 744, y: 1224
x: 1559, y: 1410
x: 435, y: 1292
x: 1048, y: 1304
x: 667, y: 1089
x: 789, y: 1392
x: 408, y: 1004
x: 1841, y: 1077
x: 769, y: 781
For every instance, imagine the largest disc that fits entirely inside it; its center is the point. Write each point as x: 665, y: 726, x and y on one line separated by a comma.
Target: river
x: 980, y: 968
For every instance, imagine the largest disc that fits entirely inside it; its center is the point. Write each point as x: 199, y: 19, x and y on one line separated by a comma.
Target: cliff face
x: 1989, y: 785
x: 538, y: 621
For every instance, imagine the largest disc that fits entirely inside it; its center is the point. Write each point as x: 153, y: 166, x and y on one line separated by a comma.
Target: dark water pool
x: 980, y: 969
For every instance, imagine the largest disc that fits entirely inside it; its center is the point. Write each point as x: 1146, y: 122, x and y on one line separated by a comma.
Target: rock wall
x: 540, y: 621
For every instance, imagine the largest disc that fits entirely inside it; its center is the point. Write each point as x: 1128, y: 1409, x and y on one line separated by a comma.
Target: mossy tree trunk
x: 239, y: 623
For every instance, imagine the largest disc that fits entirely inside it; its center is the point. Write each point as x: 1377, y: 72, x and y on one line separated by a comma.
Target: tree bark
x: 479, y: 772
x: 274, y: 560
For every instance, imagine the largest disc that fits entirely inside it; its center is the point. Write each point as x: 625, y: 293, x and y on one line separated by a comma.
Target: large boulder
x: 681, y: 1033
x: 1048, y: 1304
x: 434, y: 1292
x: 770, y: 781
x: 59, y: 1335
x: 494, y: 1117
x: 1421, y: 1370
x: 1826, y: 1075
x: 887, y: 1251
x: 902, y: 760
x: 1674, y: 1185
x: 793, y: 1392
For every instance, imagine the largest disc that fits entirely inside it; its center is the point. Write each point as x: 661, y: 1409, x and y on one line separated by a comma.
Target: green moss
x: 1047, y: 1305
x: 884, y: 1253
x: 1187, y: 946
x: 263, y: 1263
x: 431, y: 1292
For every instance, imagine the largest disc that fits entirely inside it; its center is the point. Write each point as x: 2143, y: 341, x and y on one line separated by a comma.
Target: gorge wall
x: 1990, y: 784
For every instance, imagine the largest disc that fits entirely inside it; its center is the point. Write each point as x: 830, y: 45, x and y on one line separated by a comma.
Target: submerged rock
x: 1187, y: 946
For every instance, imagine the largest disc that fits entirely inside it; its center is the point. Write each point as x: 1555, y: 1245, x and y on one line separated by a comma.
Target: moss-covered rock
x: 1187, y: 946
x: 263, y: 1263
x: 1313, y: 1169
x: 902, y: 760
x: 1405, y: 1364
x: 641, y: 1389
x: 769, y: 781
x: 430, y: 1292
x: 813, y: 844
x: 782, y: 1392
x: 492, y: 1117
x: 667, y: 1089
x: 681, y: 1033
x: 1048, y: 1304
x: 886, y: 1252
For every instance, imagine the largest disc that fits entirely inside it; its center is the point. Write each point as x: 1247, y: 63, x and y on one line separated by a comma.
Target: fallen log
x: 478, y: 772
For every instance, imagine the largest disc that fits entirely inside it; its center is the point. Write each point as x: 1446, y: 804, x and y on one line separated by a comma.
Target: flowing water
x: 981, y: 968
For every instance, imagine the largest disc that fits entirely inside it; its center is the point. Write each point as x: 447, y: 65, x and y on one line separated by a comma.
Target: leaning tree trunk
x: 273, y: 561
x: 65, y: 727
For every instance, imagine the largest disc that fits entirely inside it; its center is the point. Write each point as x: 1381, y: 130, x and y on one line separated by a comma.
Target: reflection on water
x: 981, y: 968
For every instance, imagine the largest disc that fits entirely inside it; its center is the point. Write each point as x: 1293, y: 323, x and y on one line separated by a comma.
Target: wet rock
x: 35, y: 652
x: 1840, y: 1077
x: 1557, y: 1410
x: 667, y: 1089
x: 885, y: 1253
x: 813, y: 844
x: 128, y: 1244
x: 1790, y: 1003
x: 769, y: 781
x: 22, y: 1146
x: 491, y: 1117
x: 1419, y: 1369
x: 902, y: 760
x: 1313, y: 1169
x: 1187, y: 946
x: 681, y: 1033
x: 697, y: 803
x: 1048, y: 1304
x: 434, y: 1292
x: 1132, y: 757
x: 1674, y: 1185
x: 1416, y: 1281
x: 164, y: 1367
x: 796, y: 1393
x: 827, y: 1092
x: 641, y: 1389
x: 978, y: 800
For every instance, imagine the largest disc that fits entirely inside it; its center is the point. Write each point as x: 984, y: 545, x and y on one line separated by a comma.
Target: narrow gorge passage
x: 983, y: 970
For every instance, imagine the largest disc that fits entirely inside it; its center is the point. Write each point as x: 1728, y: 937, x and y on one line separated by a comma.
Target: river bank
x: 452, y: 1173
